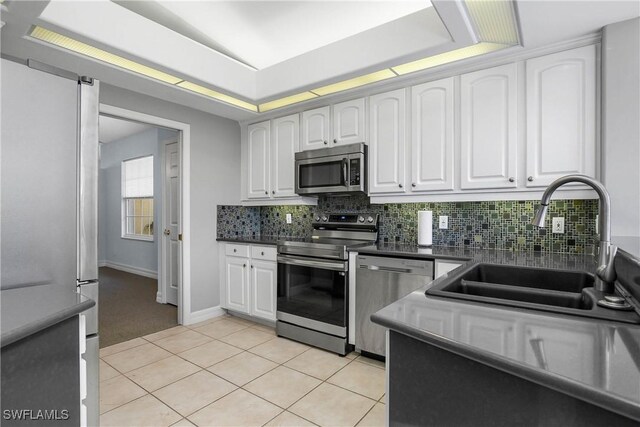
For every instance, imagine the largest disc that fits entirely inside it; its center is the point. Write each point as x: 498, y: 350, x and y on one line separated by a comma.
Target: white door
x: 315, y: 129
x: 258, y: 142
x: 171, y: 243
x: 432, y: 136
x: 488, y: 128
x: 387, y: 120
x: 237, y: 284
x: 348, y: 122
x: 561, y: 115
x: 263, y: 289
x: 285, y: 142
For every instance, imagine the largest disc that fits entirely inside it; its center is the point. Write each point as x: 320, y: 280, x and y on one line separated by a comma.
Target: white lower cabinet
x: 263, y: 289
x: 237, y: 284
x: 250, y: 280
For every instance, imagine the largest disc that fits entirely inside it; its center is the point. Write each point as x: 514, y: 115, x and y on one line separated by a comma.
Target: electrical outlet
x: 443, y: 222
x: 289, y: 220
x: 558, y: 225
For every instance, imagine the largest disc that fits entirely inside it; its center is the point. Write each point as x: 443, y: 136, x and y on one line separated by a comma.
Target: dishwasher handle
x: 388, y: 269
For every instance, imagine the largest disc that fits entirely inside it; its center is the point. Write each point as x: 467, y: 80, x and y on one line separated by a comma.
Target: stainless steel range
x: 313, y: 280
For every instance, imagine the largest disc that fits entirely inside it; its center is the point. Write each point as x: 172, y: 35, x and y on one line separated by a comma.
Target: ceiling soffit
x: 475, y: 27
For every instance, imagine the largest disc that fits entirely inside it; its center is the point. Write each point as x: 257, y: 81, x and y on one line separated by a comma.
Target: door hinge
x: 180, y: 237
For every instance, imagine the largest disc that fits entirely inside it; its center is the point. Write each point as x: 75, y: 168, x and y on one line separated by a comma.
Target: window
x: 137, y: 198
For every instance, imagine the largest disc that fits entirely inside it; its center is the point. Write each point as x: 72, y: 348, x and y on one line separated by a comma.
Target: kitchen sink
x: 560, y: 291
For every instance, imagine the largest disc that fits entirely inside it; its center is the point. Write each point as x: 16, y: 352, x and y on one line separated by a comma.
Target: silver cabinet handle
x: 413, y: 184
x: 389, y: 269
x: 335, y: 141
x: 400, y: 185
x: 512, y: 179
x: 304, y: 262
x: 251, y: 265
x: 266, y: 192
x: 167, y: 231
x: 325, y: 142
x: 244, y: 265
x: 530, y: 179
x: 273, y: 191
x: 235, y: 250
x: 262, y: 253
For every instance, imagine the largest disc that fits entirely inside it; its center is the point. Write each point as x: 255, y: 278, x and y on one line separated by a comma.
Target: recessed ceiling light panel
x: 495, y: 21
x: 217, y: 95
x: 355, y: 82
x: 283, y: 102
x: 84, y: 49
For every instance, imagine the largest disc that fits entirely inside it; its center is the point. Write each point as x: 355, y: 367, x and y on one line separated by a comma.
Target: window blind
x: 138, y: 177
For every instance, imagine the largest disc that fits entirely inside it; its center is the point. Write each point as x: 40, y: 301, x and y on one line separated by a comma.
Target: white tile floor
x: 231, y: 372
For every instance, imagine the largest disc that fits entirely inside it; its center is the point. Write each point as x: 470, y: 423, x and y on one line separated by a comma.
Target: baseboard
x: 159, y: 297
x: 202, y: 315
x: 131, y: 269
x: 102, y: 263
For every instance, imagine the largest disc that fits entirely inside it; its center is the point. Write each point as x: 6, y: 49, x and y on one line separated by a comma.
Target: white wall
x: 621, y: 124
x: 215, y: 179
x: 112, y: 248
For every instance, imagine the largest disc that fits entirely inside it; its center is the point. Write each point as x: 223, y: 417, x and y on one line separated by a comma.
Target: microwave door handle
x: 345, y: 172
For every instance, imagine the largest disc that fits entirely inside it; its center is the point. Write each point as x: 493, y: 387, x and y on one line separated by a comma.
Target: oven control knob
x: 324, y: 218
x: 360, y: 218
x: 370, y: 219
x: 317, y: 218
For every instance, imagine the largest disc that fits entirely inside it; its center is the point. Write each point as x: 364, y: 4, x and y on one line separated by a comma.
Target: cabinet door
x: 285, y: 142
x: 258, y: 160
x: 263, y: 289
x: 488, y: 128
x: 237, y: 284
x: 348, y: 122
x: 432, y: 136
x: 387, y: 120
x: 315, y: 128
x: 561, y: 115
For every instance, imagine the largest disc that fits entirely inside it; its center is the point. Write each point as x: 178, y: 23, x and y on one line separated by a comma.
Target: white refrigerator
x: 49, y: 200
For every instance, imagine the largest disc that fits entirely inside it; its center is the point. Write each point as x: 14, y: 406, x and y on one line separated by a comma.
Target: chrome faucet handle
x: 607, y: 271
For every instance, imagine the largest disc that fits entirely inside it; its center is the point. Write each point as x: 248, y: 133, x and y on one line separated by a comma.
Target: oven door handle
x: 324, y: 265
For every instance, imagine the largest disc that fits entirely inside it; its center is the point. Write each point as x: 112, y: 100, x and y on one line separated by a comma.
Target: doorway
x: 139, y: 228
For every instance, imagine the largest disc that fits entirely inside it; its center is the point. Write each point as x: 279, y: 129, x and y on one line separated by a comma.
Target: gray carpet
x: 128, y: 307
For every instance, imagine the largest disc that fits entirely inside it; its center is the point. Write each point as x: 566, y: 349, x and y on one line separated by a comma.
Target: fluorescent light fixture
x: 93, y: 52
x: 447, y: 57
x: 495, y: 21
x: 101, y: 55
x: 355, y: 82
x: 217, y: 95
x: 288, y: 100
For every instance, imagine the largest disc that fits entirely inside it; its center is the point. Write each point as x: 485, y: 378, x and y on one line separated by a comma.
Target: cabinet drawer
x: 267, y: 253
x: 237, y: 250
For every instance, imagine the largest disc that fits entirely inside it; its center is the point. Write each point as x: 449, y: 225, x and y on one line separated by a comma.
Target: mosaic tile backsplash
x: 483, y: 225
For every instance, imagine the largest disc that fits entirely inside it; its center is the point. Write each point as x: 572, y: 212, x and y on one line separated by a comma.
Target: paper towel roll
x: 425, y: 228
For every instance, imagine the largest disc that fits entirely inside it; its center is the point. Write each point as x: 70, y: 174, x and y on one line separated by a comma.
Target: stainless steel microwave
x: 340, y: 169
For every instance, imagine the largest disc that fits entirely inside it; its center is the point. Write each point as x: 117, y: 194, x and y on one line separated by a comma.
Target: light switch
x: 289, y: 219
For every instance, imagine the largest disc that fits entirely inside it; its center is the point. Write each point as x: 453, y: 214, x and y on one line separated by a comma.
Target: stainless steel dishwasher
x: 379, y: 282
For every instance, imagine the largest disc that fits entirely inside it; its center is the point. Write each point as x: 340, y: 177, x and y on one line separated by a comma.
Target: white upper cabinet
x: 258, y: 159
x: 387, y: 121
x: 315, y: 128
x: 488, y: 128
x: 285, y: 142
x: 348, y: 122
x: 561, y: 115
x: 432, y: 136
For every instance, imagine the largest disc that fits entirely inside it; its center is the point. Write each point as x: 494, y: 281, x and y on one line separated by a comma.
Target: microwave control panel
x: 354, y: 172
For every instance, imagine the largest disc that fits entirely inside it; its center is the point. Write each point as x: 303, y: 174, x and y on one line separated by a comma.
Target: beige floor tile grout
x: 213, y: 401
x: 322, y: 381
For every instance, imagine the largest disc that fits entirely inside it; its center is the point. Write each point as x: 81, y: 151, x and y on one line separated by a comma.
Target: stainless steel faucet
x: 605, y: 272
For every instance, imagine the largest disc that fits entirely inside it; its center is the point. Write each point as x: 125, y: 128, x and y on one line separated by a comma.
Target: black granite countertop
x: 529, y: 259
x: 593, y: 360
x: 256, y: 240
x: 30, y: 309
